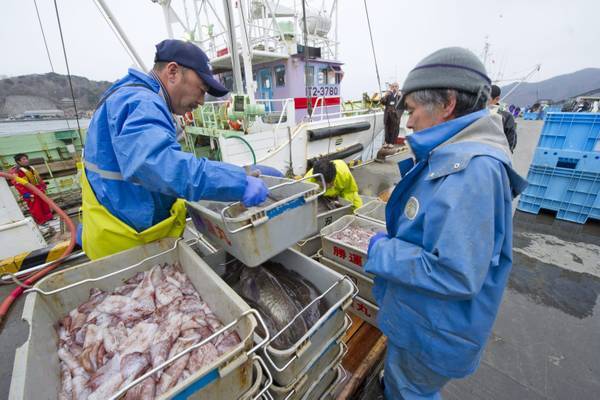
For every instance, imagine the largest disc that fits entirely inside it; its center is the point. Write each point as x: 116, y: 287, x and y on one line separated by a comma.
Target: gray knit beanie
x: 449, y: 68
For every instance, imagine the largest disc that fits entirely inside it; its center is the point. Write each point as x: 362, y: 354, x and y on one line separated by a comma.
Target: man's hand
x: 256, y: 192
x: 374, y: 239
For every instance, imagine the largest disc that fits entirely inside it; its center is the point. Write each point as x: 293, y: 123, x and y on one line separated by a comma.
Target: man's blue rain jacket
x: 132, y: 136
x: 442, y: 269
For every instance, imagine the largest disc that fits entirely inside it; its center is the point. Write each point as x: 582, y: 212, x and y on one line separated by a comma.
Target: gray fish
x: 300, y: 290
x: 261, y: 288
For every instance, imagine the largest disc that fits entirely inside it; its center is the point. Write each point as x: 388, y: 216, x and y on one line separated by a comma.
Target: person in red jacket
x: 40, y: 211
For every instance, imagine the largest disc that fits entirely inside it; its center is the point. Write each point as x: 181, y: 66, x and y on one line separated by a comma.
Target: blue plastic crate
x: 571, y: 131
x: 528, y: 115
x: 574, y: 195
x: 585, y: 161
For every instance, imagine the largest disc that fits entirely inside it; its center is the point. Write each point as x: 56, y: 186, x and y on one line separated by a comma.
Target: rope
x: 376, y: 71
x: 62, y: 40
x: 43, y: 35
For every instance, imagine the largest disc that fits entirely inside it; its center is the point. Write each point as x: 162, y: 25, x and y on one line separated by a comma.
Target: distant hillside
x: 48, y: 91
x: 556, y: 89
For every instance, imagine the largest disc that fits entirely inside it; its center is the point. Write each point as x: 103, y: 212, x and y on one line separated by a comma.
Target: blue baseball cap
x: 190, y: 56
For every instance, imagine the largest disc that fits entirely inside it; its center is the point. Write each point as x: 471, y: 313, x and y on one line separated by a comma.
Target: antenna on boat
x: 529, y: 75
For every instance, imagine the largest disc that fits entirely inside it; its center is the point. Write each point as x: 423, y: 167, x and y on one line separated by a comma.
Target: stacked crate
x: 310, y: 367
x: 564, y: 175
x: 350, y: 260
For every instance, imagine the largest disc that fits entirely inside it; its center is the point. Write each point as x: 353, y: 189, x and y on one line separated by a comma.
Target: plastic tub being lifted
x: 256, y: 234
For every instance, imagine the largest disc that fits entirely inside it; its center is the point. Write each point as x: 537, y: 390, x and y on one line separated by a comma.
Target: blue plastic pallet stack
x: 564, y: 175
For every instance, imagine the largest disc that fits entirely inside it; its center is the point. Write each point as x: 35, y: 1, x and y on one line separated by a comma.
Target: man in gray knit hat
x: 443, y: 263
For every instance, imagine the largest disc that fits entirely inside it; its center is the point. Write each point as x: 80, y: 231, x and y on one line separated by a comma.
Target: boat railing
x: 322, y: 111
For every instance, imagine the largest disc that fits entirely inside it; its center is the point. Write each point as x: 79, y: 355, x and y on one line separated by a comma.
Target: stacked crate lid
x: 564, y: 175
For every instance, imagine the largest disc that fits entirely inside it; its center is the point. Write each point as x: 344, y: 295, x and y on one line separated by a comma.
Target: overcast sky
x: 563, y: 36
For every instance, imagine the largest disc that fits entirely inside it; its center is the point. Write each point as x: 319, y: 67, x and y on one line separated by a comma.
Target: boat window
x: 228, y: 82
x: 280, y: 75
x: 322, y: 76
x: 309, y: 75
x: 331, y: 77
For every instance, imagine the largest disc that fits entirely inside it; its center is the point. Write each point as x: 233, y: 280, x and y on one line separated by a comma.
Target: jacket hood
x: 483, y: 137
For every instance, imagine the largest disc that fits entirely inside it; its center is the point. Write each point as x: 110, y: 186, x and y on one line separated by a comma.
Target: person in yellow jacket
x: 339, y: 180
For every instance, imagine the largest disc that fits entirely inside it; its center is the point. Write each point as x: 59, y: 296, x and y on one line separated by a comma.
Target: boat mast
x: 238, y: 87
x: 246, y: 54
x: 121, y: 34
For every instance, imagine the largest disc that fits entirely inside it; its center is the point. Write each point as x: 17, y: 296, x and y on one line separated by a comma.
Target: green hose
x: 231, y: 135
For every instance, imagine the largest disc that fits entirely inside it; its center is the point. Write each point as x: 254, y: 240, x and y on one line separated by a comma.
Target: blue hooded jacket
x: 442, y: 269
x: 135, y: 165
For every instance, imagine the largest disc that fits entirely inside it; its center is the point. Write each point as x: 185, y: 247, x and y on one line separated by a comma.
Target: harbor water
x: 18, y: 127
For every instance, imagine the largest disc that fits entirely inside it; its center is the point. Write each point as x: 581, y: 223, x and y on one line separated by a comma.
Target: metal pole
x: 238, y: 87
x: 167, y: 14
x: 246, y: 55
x: 336, y: 29
x: 122, y: 36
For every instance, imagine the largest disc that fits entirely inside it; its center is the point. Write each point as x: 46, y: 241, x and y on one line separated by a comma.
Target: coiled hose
x: 14, y: 295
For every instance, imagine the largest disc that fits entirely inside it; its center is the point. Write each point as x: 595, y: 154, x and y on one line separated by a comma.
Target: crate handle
x: 263, y: 216
x: 51, y: 292
x: 177, y: 356
x: 304, y: 241
x: 322, y: 320
x: 342, y: 375
x: 303, y: 347
x: 297, y: 387
x: 328, y: 368
x: 267, y: 384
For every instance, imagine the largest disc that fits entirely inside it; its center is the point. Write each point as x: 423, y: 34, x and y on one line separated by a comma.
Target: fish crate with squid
x: 256, y: 234
x: 302, y: 386
x: 302, y: 302
x: 154, y: 321
x: 363, y: 281
x: 347, y: 241
x: 374, y: 211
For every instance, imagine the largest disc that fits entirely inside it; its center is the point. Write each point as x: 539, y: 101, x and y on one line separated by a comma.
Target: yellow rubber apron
x: 104, y: 234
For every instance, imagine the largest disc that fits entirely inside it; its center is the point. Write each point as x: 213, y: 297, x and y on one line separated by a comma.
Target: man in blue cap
x: 441, y: 268
x: 135, y: 172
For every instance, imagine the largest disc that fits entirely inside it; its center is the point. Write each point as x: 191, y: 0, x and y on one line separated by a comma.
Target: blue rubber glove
x: 256, y: 192
x: 374, y: 239
x: 27, y: 195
